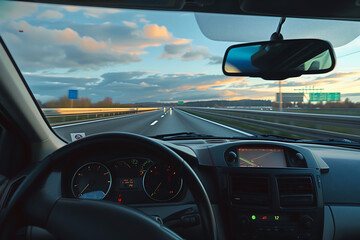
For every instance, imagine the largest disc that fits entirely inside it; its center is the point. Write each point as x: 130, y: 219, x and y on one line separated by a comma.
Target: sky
x: 142, y: 56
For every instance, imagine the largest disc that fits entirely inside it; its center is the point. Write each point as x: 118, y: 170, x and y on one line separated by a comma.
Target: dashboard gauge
x: 144, y: 166
x: 162, y: 182
x: 91, y: 181
x: 122, y: 164
x: 131, y: 167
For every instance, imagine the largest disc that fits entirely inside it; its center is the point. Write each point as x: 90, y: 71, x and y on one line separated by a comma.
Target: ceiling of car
x: 241, y: 29
x: 328, y: 9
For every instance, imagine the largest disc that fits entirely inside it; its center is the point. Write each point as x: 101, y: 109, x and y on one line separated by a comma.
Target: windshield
x: 96, y: 70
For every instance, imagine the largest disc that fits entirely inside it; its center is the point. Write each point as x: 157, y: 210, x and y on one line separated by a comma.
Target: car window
x: 96, y: 70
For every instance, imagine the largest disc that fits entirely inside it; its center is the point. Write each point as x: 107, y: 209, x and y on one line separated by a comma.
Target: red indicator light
x: 119, y: 198
x: 171, y: 192
x: 264, y: 218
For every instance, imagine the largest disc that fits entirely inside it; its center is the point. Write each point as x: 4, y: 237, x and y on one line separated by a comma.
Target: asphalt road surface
x: 149, y: 124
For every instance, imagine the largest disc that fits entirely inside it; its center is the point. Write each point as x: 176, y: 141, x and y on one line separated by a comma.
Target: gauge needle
x: 84, y: 189
x: 156, y: 189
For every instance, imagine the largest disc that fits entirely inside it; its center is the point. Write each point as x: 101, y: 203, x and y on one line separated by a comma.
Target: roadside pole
x: 280, y: 97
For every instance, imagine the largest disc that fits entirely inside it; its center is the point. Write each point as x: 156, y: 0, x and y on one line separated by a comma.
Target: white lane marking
x: 219, y: 124
x: 99, y: 120
x: 162, y: 116
x: 154, y: 122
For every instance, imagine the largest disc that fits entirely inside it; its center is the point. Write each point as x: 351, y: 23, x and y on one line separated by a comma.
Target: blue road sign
x: 73, y: 94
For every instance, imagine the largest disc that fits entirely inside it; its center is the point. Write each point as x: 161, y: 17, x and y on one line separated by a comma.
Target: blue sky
x: 139, y: 56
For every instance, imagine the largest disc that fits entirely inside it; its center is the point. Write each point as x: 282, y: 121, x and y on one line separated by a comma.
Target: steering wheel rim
x: 50, y: 206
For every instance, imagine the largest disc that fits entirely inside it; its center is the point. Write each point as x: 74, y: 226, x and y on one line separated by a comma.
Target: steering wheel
x: 39, y: 202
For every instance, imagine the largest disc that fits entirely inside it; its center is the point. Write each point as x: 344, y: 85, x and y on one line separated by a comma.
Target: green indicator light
x: 276, y: 218
x: 253, y: 217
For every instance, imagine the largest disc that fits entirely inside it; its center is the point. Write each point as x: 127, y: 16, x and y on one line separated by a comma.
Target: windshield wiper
x: 182, y: 135
x: 193, y: 135
x: 326, y: 141
x: 334, y: 141
x: 337, y: 140
x: 276, y: 137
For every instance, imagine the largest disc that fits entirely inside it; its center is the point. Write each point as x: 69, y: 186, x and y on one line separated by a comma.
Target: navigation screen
x: 261, y: 157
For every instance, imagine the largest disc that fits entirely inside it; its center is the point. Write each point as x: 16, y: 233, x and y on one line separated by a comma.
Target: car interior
x: 125, y: 185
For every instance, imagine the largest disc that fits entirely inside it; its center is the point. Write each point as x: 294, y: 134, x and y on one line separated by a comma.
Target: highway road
x: 149, y: 124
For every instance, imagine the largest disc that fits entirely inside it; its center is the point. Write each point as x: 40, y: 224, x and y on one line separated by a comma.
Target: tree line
x: 347, y: 103
x: 83, y: 102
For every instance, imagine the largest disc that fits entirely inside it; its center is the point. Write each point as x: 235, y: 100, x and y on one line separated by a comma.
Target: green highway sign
x: 326, y: 97
x: 180, y: 103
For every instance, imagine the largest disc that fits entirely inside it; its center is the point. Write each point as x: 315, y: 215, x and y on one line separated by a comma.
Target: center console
x: 270, y: 192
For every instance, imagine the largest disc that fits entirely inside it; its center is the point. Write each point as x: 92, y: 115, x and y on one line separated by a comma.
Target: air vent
x: 296, y: 191
x: 250, y: 191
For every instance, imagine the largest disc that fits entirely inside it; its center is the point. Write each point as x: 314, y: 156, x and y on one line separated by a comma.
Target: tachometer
x: 162, y: 182
x: 91, y: 181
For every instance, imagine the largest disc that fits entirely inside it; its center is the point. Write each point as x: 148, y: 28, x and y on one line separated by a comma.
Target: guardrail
x: 57, y: 116
x: 314, y: 126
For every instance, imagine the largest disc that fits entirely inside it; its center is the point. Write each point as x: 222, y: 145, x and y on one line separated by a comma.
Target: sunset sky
x: 140, y: 56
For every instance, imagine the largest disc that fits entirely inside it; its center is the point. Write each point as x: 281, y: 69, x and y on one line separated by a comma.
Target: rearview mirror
x: 277, y: 60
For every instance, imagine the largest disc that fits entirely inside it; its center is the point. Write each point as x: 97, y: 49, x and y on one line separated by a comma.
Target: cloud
x: 339, y: 75
x: 143, y: 20
x: 155, y: 31
x: 49, y: 87
x: 44, y: 98
x: 88, y: 45
x: 215, y: 60
x: 142, y: 86
x: 196, y: 53
x: 253, y: 94
x: 172, y: 51
x: 223, y: 82
x: 127, y: 37
x: 185, y: 51
x: 64, y: 48
x: 350, y: 95
x: 72, y: 8
x: 16, y: 10
x: 121, y: 76
x: 167, y: 86
x: 130, y: 24
x: 92, y: 12
x: 229, y: 93
x: 326, y: 80
x: 39, y: 79
x: 50, y: 14
x: 62, y: 37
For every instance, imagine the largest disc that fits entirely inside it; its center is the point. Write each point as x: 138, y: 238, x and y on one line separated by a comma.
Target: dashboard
x: 258, y: 189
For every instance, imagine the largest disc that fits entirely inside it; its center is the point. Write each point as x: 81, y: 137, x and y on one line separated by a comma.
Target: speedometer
x: 162, y: 182
x: 91, y: 181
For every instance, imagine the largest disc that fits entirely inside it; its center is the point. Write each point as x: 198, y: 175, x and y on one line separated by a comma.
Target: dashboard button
x: 307, y: 222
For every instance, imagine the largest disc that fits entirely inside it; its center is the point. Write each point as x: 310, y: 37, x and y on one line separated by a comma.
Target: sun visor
x: 241, y: 29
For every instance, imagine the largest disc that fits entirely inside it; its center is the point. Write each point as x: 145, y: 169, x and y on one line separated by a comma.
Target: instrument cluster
x: 127, y: 180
